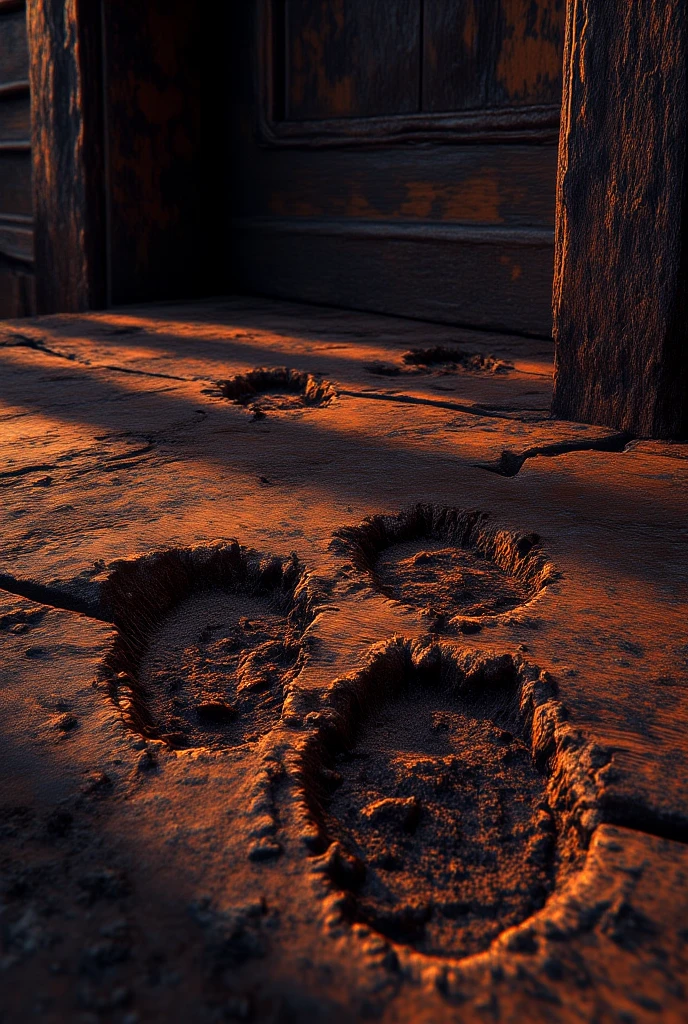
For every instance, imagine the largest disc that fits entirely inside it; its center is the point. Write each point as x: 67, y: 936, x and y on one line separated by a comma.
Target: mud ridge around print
x: 445, y: 800
x: 441, y: 359
x: 279, y: 389
x: 450, y: 563
x: 208, y: 640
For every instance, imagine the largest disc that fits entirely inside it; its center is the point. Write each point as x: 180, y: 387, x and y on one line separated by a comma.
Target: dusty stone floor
x: 353, y: 690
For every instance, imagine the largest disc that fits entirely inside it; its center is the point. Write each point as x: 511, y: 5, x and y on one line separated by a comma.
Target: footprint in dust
x: 208, y: 639
x: 448, y: 562
x: 435, y: 815
x: 442, y: 359
x: 450, y: 579
x: 450, y: 358
x: 279, y: 389
x: 215, y: 670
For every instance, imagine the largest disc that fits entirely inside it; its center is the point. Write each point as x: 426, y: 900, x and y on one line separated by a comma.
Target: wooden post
x: 67, y: 153
x: 621, y: 264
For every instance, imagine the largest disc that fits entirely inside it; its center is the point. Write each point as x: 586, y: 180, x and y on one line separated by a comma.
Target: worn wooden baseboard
x: 490, y: 278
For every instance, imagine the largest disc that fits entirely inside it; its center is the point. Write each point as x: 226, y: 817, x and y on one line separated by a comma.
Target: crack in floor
x: 21, y: 341
x: 53, y: 597
x: 510, y: 463
x: 472, y: 410
x: 40, y: 467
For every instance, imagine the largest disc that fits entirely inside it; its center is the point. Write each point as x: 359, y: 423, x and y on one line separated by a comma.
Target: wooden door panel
x: 458, y: 43
x: 15, y: 117
x: 351, y: 58
x: 14, y: 50
x: 420, y: 181
x: 528, y: 53
x: 475, y: 277
x: 499, y: 54
x: 495, y: 185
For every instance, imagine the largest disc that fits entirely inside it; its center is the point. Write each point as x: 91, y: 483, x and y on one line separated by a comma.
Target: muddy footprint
x: 449, y: 358
x: 208, y: 640
x: 435, y: 815
x: 279, y: 389
x: 441, y: 359
x: 448, y: 562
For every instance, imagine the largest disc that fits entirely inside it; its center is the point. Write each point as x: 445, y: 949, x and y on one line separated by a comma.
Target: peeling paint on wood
x: 487, y: 55
x: 348, y: 58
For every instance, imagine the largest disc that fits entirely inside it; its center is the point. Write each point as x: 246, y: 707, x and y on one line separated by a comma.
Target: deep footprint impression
x: 279, y: 389
x: 436, y: 816
x: 447, y: 562
x: 215, y: 670
x: 208, y: 640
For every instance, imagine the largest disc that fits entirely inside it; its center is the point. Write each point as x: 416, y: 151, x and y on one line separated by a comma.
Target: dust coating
x: 215, y: 670
x: 208, y: 638
x: 448, y: 580
x: 445, y: 832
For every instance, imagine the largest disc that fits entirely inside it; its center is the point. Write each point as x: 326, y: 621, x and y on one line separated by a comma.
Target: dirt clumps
x: 279, y: 389
x: 454, y: 358
x: 208, y: 640
x: 215, y: 670
x: 434, y: 813
x: 448, y: 562
x: 449, y: 580
x: 443, y: 359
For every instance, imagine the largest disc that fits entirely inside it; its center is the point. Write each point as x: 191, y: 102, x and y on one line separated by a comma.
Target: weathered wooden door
x: 400, y: 155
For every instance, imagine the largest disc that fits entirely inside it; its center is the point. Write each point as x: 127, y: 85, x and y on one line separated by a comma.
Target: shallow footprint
x: 280, y: 389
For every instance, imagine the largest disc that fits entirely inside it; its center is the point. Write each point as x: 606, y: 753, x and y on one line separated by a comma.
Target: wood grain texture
x: 487, y: 278
x: 65, y: 77
x: 14, y: 52
x: 533, y: 124
x: 512, y: 186
x: 457, y: 54
x: 499, y: 54
x: 620, y: 273
x: 351, y: 58
x: 165, y: 101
